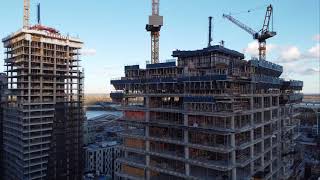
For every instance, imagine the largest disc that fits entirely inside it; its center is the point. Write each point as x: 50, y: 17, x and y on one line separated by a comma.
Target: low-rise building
x: 100, y: 158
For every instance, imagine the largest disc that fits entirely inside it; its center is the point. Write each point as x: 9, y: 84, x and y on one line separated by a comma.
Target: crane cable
x: 249, y: 10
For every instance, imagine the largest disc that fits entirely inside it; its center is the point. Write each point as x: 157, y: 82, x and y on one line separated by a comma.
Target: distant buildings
x: 101, y: 142
x: 100, y: 158
x: 309, y: 140
x: 43, y: 116
x: 213, y: 115
x: 101, y: 128
x: 3, y: 100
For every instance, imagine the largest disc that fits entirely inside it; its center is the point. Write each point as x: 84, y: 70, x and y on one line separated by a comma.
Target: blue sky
x: 114, y: 34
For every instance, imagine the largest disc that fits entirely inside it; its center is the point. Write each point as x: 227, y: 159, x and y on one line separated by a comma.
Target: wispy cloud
x: 252, y: 48
x: 316, y: 37
x: 309, y: 71
x: 289, y: 54
x: 299, y: 68
x: 89, y: 52
x: 313, y: 52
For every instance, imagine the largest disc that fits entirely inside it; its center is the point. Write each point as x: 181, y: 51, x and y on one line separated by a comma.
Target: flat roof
x: 42, y: 33
x: 208, y: 50
x: 102, y: 144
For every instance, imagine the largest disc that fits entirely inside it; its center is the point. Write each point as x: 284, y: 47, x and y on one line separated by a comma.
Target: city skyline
x: 110, y: 43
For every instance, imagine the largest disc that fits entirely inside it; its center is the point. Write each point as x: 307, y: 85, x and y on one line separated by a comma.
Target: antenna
x: 222, y: 43
x: 38, y: 14
x: 210, y: 31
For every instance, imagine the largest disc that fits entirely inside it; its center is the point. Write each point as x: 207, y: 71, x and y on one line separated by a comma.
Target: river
x: 92, y: 114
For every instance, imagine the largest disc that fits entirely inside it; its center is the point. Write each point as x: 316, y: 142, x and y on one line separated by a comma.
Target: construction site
x: 309, y: 140
x: 210, y: 114
x: 43, y: 115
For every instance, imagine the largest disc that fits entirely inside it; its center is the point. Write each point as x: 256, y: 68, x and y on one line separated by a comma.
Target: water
x: 92, y: 114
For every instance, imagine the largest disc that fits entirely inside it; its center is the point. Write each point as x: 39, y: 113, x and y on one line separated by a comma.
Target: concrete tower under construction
x: 210, y: 114
x: 42, y: 124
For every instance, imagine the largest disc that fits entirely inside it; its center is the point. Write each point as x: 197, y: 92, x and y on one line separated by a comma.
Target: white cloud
x: 253, y: 48
x: 314, y: 52
x: 298, y: 68
x: 289, y: 54
x: 292, y: 54
x: 309, y: 71
x: 316, y: 37
x: 89, y: 52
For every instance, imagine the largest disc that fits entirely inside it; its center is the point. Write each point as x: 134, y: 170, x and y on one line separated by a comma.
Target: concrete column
x: 185, y: 120
x: 147, y: 131
x: 148, y: 165
x: 251, y: 151
x: 233, y: 158
x: 252, y: 119
x: 252, y: 146
x: 262, y: 102
x: 270, y: 101
x: 262, y: 146
x: 232, y: 123
x: 187, y: 165
x: 147, y: 101
x: 318, y: 122
x: 251, y: 103
x: 186, y: 148
x: 262, y: 116
x: 233, y: 153
x: 271, y: 157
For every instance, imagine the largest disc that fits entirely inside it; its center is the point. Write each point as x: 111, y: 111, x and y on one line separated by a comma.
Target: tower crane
x: 26, y: 17
x: 154, y: 26
x: 26, y: 13
x: 262, y: 35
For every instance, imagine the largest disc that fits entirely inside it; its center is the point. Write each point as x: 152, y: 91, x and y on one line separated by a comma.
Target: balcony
x: 166, y: 133
x: 207, y: 173
x: 214, y: 160
x: 167, y: 164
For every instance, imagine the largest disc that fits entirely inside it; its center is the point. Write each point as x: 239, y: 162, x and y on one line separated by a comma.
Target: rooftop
x: 204, y: 51
x: 103, y: 144
x: 42, y: 33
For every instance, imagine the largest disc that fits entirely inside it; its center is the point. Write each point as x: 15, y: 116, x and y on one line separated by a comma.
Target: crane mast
x: 262, y: 35
x: 154, y: 27
x: 26, y: 13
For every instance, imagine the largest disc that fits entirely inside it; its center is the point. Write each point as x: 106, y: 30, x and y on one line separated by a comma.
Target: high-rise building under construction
x: 42, y: 134
x: 208, y: 115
